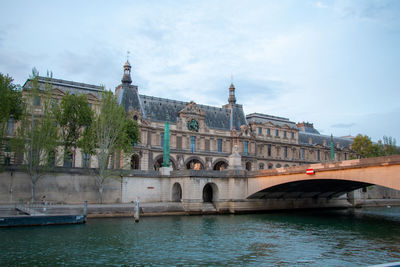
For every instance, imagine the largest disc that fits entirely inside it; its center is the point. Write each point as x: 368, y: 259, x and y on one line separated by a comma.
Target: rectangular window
x: 259, y: 130
x: 85, y: 160
x: 219, y: 145
x: 261, y: 166
x: 302, y: 153
x: 10, y: 126
x: 36, y: 101
x: 277, y: 133
x: 284, y: 134
x: 68, y: 160
x: 246, y: 147
x: 179, y: 142
x: 268, y: 131
x: 345, y: 156
x: 162, y: 140
x: 318, y: 155
x: 292, y: 135
x: 269, y: 150
x: 207, y: 145
x: 193, y: 144
x: 285, y: 151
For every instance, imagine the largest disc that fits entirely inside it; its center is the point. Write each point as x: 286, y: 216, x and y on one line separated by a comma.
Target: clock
x: 193, y: 125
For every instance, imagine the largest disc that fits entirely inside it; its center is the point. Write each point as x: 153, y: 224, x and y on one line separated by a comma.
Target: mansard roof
x: 156, y: 109
x: 67, y: 86
x: 318, y: 139
x: 264, y: 118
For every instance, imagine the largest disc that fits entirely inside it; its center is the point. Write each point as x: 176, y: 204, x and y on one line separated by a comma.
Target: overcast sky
x: 332, y: 63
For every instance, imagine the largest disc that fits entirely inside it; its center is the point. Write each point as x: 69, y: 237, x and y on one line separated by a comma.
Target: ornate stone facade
x: 203, y: 136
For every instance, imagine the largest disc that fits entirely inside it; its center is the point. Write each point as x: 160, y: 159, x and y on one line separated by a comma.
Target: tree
x: 364, y: 147
x: 10, y: 103
x: 37, y: 134
x: 111, y: 132
x: 73, y: 114
x: 389, y: 146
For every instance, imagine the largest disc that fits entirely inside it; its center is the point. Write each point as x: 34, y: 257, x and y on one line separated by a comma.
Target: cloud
x: 343, y: 125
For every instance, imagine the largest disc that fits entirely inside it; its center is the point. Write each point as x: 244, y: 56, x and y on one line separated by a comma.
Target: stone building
x: 204, y: 135
x: 201, y: 135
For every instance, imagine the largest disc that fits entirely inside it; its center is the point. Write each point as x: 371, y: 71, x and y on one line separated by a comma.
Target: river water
x: 308, y: 238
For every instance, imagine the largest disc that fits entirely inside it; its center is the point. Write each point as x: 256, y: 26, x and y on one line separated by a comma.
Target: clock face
x: 193, y: 125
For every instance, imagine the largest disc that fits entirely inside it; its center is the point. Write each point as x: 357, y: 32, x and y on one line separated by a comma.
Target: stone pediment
x: 192, y: 109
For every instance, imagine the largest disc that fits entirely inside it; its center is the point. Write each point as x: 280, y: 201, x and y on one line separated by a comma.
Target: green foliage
x: 10, y: 102
x: 73, y: 114
x: 389, y: 146
x: 37, y: 134
x: 364, y: 147
x: 110, y: 132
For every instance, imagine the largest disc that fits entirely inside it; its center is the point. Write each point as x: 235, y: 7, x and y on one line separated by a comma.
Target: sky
x: 331, y: 63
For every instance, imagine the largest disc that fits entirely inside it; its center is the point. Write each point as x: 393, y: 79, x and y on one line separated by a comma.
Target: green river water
x: 308, y: 238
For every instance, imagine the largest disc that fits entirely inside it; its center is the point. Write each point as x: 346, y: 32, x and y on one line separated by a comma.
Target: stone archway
x: 135, y: 162
x: 248, y: 166
x: 176, y: 192
x: 220, y: 165
x: 207, y: 193
x: 194, y: 163
x: 159, y: 160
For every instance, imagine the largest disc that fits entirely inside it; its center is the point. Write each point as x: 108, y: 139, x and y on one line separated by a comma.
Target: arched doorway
x: 176, y: 192
x: 278, y: 165
x: 194, y: 164
x: 248, y: 166
x: 135, y: 162
x: 270, y: 166
x: 220, y: 166
x: 207, y: 193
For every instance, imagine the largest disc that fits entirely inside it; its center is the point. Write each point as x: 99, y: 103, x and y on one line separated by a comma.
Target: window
x: 268, y: 131
x: 284, y: 134
x: 292, y: 135
x: 345, y: 156
x: 10, y: 126
x: 51, y: 158
x: 318, y: 155
x: 85, y: 160
x: 276, y: 133
x: 261, y: 166
x: 259, y: 130
x: 162, y: 140
x: 269, y: 150
x: 246, y: 147
x: 219, y: 145
x: 302, y: 153
x: 36, y: 100
x: 192, y: 143
x: 285, y: 151
x: 68, y: 160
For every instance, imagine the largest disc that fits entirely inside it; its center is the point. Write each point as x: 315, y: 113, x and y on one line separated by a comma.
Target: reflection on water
x: 316, y: 238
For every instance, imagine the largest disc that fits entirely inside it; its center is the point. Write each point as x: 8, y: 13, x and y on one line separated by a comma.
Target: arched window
x: 135, y: 160
x: 248, y: 166
x: 261, y: 166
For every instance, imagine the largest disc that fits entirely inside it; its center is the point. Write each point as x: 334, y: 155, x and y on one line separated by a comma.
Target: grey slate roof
x: 67, y: 86
x: 263, y: 118
x: 157, y: 108
x: 318, y: 139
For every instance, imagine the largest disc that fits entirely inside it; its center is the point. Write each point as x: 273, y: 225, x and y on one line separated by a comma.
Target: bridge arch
x: 343, y: 177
